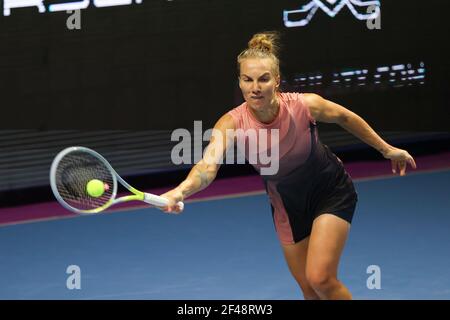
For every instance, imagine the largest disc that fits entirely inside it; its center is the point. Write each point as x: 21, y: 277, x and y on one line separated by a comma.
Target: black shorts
x: 320, y: 185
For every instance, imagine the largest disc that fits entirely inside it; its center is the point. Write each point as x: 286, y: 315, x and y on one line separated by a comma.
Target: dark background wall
x: 152, y: 67
x: 163, y: 64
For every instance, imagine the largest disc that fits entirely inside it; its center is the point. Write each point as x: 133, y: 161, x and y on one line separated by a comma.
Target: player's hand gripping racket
x: 84, y: 182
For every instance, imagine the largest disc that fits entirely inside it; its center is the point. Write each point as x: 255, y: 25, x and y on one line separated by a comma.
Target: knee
x: 308, y: 292
x: 321, y: 281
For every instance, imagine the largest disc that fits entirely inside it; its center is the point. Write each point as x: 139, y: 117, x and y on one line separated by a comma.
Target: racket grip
x: 159, y: 201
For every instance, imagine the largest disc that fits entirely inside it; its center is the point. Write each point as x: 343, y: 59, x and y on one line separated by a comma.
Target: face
x: 258, y: 83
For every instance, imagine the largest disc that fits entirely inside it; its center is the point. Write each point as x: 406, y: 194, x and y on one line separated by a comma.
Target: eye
x: 265, y: 79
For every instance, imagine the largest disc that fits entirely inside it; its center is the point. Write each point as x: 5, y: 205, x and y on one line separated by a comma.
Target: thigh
x: 295, y: 255
x: 328, y: 236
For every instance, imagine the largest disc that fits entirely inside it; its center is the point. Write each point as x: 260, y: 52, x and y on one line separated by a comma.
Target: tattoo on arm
x: 203, y: 175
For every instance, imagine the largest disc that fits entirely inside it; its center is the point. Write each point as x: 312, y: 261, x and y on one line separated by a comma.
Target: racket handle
x: 159, y: 201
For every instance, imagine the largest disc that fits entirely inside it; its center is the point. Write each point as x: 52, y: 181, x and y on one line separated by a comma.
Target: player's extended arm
x: 205, y: 171
x: 327, y: 111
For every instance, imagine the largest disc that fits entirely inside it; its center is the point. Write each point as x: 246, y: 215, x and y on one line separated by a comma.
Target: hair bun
x: 266, y: 42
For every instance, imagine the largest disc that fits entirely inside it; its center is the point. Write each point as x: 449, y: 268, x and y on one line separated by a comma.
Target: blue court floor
x: 227, y: 249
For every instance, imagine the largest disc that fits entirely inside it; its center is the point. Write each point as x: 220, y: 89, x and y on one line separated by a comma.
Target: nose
x: 255, y: 87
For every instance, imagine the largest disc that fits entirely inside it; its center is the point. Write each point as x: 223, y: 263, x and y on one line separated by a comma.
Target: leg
x: 295, y: 255
x: 326, y: 243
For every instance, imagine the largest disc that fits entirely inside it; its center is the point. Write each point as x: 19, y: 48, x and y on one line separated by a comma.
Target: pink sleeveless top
x: 293, y: 122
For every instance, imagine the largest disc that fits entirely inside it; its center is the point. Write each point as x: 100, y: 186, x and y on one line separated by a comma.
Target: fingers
x: 394, y: 166
x: 412, y: 162
x: 399, y: 165
x: 402, y: 166
x: 172, y: 209
x: 409, y: 159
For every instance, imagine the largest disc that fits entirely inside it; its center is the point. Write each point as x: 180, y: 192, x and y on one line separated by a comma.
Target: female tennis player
x: 312, y: 196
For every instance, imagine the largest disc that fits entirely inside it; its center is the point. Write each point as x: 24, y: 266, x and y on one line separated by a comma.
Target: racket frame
x: 137, y: 195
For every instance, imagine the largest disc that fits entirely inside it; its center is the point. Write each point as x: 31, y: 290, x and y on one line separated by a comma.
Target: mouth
x: 257, y: 97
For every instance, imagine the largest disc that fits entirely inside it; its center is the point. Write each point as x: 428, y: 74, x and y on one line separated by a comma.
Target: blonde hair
x: 262, y: 45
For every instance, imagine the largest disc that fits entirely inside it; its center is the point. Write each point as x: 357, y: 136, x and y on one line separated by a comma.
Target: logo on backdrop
x: 362, y: 10
x: 63, y: 6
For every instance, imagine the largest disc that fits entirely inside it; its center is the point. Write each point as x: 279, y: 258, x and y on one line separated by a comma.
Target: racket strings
x: 74, y: 172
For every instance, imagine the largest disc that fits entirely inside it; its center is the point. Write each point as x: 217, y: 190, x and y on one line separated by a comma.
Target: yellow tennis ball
x: 95, y: 188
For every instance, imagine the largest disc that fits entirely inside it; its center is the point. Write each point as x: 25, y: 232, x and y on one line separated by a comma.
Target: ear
x: 239, y: 81
x: 278, y: 81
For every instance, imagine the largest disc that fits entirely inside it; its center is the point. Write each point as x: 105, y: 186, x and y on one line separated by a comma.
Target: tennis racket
x: 74, y: 167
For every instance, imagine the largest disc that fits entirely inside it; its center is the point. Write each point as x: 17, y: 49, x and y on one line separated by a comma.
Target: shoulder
x: 314, y: 104
x: 237, y: 110
x: 324, y: 110
x: 303, y: 99
x: 235, y: 115
x: 311, y: 99
x: 227, y: 121
x: 300, y: 102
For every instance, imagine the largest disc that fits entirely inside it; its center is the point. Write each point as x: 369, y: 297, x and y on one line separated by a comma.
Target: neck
x: 268, y: 113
